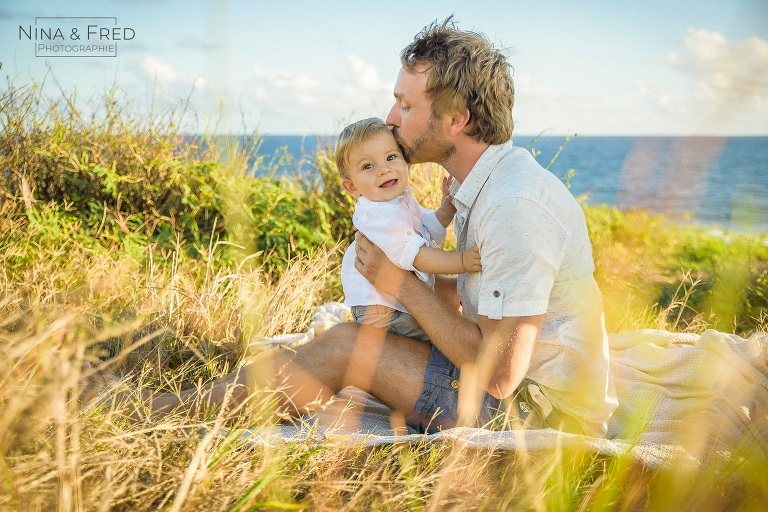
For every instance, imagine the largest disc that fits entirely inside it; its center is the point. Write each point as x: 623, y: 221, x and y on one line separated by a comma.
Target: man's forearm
x: 500, y: 350
x: 455, y: 336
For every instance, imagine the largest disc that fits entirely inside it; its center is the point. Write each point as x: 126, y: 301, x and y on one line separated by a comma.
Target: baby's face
x: 377, y: 169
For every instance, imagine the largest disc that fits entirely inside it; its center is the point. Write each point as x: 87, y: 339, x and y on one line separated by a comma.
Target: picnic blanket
x: 684, y: 399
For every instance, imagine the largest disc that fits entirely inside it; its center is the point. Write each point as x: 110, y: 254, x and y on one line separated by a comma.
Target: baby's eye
x: 367, y: 166
x: 391, y: 157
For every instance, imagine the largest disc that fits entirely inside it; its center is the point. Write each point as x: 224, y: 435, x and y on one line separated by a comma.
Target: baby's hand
x: 470, y: 259
x: 446, y: 205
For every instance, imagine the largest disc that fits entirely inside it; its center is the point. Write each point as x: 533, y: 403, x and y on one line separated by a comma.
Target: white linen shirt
x: 400, y: 227
x: 537, y: 259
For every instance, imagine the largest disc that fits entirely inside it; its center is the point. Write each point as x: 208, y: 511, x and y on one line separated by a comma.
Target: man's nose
x: 393, y: 118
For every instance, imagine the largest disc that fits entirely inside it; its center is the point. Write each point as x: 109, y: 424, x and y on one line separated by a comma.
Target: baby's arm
x: 391, y: 228
x: 446, y: 211
x: 435, y: 261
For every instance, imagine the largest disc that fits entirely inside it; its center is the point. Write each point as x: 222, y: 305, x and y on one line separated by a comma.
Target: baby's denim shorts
x: 395, y: 321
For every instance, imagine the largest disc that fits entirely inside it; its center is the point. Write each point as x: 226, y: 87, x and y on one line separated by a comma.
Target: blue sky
x: 662, y: 67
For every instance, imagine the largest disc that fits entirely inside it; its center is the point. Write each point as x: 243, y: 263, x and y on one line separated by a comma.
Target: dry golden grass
x: 180, y: 322
x: 174, y: 316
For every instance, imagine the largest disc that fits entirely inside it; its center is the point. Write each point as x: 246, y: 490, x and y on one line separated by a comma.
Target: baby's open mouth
x: 388, y: 184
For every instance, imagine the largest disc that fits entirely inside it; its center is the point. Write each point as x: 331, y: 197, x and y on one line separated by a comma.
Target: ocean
x: 711, y: 181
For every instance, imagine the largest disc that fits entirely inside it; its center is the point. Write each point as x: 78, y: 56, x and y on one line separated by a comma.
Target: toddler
x: 373, y: 170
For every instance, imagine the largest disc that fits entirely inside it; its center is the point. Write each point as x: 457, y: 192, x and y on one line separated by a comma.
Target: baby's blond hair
x: 352, y: 136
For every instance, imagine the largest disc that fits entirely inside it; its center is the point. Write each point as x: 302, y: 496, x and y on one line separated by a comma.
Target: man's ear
x: 458, y: 121
x: 350, y: 187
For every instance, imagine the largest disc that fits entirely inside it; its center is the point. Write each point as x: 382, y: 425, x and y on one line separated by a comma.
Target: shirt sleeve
x: 431, y: 223
x: 391, y: 229
x: 522, y: 247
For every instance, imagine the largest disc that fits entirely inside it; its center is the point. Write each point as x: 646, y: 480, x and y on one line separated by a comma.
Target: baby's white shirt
x: 399, y: 227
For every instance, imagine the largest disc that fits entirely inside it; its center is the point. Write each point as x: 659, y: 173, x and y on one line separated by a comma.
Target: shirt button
x: 496, y: 293
x: 409, y: 233
x: 455, y: 384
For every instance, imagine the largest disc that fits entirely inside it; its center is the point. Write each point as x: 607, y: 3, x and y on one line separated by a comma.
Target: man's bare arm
x: 500, y: 349
x: 506, y: 352
x: 446, y: 289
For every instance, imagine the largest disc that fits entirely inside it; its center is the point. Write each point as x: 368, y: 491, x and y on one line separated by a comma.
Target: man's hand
x: 470, y: 259
x: 374, y: 265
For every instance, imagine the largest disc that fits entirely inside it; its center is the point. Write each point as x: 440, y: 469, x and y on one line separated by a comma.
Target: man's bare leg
x: 388, y: 366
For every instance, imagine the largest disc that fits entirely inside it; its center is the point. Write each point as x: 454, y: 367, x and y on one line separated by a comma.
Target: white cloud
x: 723, y: 67
x: 541, y: 107
x: 728, y: 83
x: 283, y: 85
x: 159, y: 70
x: 200, y: 83
x: 319, y: 100
x: 526, y: 85
x: 712, y: 86
x: 364, y: 75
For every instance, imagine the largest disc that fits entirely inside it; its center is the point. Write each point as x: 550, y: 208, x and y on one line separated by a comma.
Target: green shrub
x: 339, y: 206
x: 132, y: 180
x: 643, y: 261
x: 116, y: 181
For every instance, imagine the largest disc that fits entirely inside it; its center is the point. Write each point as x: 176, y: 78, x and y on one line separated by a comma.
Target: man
x: 532, y: 323
x: 528, y: 344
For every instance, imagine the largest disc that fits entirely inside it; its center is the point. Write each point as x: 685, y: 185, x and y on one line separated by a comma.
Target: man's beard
x: 427, y: 147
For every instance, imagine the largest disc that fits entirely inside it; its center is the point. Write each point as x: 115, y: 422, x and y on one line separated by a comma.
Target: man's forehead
x: 411, y: 83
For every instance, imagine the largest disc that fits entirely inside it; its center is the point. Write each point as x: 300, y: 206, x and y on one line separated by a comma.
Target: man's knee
x: 349, y: 340
x: 338, y: 342
x: 343, y: 333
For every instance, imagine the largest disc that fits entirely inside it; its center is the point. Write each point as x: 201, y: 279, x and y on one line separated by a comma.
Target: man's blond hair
x: 465, y: 71
x: 352, y: 136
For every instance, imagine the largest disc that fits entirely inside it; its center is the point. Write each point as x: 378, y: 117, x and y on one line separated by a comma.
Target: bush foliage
x: 137, y: 181
x: 119, y: 180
